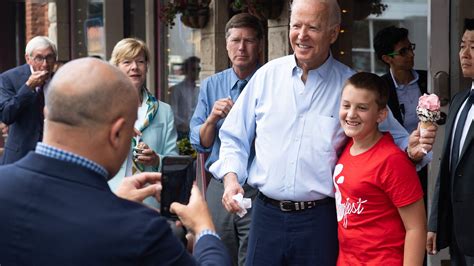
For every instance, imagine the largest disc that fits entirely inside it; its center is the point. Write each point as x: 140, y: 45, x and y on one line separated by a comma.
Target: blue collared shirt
x: 55, y: 153
x: 408, y: 96
x: 296, y: 128
x: 213, y: 88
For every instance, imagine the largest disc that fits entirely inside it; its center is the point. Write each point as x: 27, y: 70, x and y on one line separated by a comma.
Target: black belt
x: 290, y: 206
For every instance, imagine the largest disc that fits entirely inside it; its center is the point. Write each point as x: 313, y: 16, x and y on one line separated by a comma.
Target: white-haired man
x: 22, y: 98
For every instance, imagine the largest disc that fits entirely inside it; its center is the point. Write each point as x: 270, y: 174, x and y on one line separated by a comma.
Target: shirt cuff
x: 207, y: 232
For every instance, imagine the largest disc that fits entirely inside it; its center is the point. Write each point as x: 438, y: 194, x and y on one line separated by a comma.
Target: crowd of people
x: 327, y: 156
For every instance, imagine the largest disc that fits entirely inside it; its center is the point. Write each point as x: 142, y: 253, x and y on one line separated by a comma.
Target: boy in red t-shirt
x: 379, y: 199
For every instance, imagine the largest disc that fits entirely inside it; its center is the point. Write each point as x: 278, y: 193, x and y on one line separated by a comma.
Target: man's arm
x: 11, y: 102
x: 413, y: 144
x: 431, y: 247
x: 209, y: 250
x: 220, y: 110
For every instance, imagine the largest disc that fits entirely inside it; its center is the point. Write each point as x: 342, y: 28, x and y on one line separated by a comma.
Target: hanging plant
x: 262, y: 9
x: 363, y: 8
x: 195, y: 13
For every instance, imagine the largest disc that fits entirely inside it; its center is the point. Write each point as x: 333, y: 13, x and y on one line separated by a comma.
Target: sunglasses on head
x: 403, y: 51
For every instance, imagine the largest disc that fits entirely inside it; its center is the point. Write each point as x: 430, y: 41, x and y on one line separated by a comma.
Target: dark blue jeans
x: 306, y: 237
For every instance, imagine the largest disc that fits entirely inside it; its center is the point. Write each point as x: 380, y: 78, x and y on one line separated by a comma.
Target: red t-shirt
x: 370, y: 187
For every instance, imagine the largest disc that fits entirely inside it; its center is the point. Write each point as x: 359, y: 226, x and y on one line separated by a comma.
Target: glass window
x: 410, y: 14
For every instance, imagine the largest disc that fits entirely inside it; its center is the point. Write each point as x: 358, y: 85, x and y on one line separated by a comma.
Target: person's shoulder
x: 342, y: 68
x: 421, y: 73
x: 284, y: 61
x: 16, y: 70
x: 164, y: 105
x: 219, y: 75
x: 390, y: 153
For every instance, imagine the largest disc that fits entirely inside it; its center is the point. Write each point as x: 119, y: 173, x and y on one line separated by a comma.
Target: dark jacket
x: 453, y: 208
x: 59, y: 213
x: 393, y: 103
x: 21, y: 110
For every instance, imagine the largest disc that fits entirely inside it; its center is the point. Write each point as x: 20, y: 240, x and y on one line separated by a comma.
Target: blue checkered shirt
x: 52, y: 152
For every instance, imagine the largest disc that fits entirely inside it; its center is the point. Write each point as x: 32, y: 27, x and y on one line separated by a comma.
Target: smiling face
x: 135, y: 69
x: 466, y: 54
x: 243, y: 48
x: 311, y: 34
x: 359, y: 113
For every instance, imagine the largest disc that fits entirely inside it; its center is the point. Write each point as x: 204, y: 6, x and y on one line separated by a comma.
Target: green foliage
x: 185, y: 148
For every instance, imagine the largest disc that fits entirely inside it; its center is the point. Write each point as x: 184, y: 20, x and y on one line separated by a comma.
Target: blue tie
x: 459, y: 130
x: 241, y: 84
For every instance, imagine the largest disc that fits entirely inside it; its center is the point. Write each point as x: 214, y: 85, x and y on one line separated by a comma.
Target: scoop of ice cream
x: 429, y: 101
x: 428, y: 109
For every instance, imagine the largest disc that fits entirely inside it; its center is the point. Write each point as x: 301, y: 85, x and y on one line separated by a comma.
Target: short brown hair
x: 245, y: 20
x: 372, y: 83
x: 129, y: 48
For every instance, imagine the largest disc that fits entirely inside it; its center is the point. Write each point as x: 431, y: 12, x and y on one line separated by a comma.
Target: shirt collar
x: 234, y: 78
x: 415, y: 78
x: 322, y: 71
x: 59, y: 154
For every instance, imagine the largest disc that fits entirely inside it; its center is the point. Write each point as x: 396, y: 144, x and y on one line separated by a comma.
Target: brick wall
x: 36, y: 15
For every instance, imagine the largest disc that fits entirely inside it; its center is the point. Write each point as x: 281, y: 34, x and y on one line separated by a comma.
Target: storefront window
x: 410, y: 14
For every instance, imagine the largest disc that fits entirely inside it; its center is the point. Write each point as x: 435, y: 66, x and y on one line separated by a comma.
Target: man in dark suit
x: 56, y: 206
x: 451, y: 220
x: 393, y: 48
x: 22, y: 98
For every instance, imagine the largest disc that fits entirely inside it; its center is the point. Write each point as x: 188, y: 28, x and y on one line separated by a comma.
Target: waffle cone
x: 425, y: 125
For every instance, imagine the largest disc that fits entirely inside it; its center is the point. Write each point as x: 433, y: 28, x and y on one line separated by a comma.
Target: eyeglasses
x: 40, y: 59
x: 403, y: 51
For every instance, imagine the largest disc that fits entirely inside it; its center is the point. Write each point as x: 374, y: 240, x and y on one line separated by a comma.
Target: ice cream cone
x: 425, y: 124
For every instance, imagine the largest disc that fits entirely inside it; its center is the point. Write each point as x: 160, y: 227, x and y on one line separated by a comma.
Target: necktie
x: 458, y: 131
x: 40, y: 93
x: 241, y: 84
x: 41, y: 99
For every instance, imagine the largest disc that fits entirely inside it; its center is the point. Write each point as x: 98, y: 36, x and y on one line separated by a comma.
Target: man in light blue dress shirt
x: 218, y: 94
x: 290, y: 111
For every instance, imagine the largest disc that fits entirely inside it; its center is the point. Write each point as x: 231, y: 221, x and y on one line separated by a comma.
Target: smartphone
x: 177, y: 177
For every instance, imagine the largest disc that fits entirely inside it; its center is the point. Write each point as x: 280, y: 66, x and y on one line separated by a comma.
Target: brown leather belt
x: 290, y: 206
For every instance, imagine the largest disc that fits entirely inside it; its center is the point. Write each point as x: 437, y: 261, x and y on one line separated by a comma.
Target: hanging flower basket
x: 363, y: 8
x: 195, y: 13
x: 262, y: 9
x: 196, y: 19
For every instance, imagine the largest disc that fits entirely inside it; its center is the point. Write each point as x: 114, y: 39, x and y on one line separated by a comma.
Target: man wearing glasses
x: 393, y: 48
x: 22, y: 98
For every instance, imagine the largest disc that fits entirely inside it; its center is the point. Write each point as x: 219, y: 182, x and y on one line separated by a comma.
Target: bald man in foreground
x: 56, y: 207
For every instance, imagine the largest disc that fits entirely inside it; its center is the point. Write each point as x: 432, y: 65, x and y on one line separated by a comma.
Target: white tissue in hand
x: 244, y: 204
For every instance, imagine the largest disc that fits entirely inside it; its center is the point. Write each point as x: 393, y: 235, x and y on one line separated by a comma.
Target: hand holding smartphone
x: 177, y: 177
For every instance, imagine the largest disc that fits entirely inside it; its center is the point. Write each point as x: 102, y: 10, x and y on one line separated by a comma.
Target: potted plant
x: 194, y: 13
x: 263, y: 9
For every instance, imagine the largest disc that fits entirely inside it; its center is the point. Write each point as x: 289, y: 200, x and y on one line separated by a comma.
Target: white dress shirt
x: 296, y: 128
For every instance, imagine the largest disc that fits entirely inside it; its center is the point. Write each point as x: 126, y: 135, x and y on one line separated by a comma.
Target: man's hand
x: 148, y: 157
x: 37, y: 78
x: 231, y: 188
x: 138, y: 187
x: 195, y: 216
x: 4, y: 129
x: 431, y: 243
x: 421, y: 143
x: 220, y: 110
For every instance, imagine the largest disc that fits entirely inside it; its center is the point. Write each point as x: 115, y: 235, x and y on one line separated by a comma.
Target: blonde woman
x: 155, y: 121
